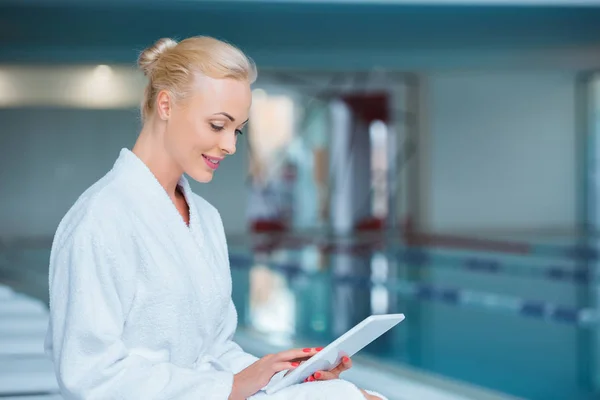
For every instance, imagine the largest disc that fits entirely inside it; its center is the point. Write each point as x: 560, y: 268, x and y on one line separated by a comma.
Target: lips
x: 212, y: 162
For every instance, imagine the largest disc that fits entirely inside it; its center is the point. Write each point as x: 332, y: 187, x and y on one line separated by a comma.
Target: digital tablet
x: 330, y: 357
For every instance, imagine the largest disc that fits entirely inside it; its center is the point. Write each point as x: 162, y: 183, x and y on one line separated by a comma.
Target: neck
x: 150, y: 148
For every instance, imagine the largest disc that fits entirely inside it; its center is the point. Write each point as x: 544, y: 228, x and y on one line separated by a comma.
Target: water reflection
x: 520, y: 334
x: 272, y: 305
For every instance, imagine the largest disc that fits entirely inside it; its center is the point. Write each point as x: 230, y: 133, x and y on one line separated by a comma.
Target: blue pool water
x: 521, y: 331
x: 523, y: 325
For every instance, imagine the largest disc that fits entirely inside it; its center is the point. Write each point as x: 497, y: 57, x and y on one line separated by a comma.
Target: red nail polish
x: 295, y: 364
x: 345, y: 359
x: 310, y: 379
x: 317, y: 375
x: 306, y: 350
x: 319, y: 349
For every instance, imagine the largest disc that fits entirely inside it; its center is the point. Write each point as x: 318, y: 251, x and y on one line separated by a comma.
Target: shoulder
x: 92, y: 246
x: 95, y: 215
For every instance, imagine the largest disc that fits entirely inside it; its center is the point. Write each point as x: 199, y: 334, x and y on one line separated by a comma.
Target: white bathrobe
x: 140, y: 303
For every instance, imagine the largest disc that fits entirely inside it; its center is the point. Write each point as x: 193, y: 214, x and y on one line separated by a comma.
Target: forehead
x: 223, y: 95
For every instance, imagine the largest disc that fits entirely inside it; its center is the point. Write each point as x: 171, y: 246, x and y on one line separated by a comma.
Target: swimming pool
x: 522, y: 325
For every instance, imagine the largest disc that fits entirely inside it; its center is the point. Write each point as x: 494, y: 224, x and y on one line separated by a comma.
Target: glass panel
x: 379, y: 169
x: 288, y: 162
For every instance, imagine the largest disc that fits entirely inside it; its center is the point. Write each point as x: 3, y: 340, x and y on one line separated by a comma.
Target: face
x: 202, y: 130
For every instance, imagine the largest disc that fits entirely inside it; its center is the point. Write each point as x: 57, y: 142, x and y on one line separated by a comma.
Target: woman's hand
x: 345, y: 365
x: 252, y: 379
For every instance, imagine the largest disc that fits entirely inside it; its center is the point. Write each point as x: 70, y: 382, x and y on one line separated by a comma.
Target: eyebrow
x: 230, y: 117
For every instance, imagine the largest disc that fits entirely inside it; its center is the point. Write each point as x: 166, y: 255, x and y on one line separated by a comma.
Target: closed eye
x: 216, y: 128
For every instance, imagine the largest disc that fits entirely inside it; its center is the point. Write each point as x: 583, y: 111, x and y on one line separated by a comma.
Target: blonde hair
x: 172, y: 66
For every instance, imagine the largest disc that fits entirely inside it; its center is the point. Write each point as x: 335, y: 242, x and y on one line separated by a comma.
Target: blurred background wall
x: 497, y: 89
x: 503, y: 151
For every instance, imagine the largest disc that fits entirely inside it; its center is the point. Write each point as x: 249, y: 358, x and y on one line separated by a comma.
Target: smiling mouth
x: 213, y: 163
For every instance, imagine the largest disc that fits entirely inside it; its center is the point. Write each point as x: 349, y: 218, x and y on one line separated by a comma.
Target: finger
x: 300, y: 360
x: 296, y: 354
x: 344, y: 365
x: 293, y: 366
x: 307, y: 357
x: 286, y: 365
x: 324, y: 376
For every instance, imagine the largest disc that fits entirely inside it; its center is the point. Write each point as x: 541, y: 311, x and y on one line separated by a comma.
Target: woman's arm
x: 91, y: 289
x: 229, y: 353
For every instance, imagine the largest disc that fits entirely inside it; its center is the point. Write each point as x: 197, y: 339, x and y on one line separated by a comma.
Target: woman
x: 140, y: 287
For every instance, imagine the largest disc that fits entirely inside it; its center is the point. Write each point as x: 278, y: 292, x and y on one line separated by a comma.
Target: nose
x: 227, y: 143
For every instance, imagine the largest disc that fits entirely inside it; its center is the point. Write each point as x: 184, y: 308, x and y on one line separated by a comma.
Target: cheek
x: 193, y: 135
x: 182, y: 131
x: 204, y: 138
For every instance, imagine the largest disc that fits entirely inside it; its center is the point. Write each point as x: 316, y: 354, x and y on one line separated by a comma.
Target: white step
x: 38, y: 397
x: 27, y: 375
x: 23, y: 324
x: 5, y: 292
x: 21, y: 305
x: 19, y: 344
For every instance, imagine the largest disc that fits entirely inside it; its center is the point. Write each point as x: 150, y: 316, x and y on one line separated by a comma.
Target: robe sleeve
x: 92, y: 286
x: 229, y: 353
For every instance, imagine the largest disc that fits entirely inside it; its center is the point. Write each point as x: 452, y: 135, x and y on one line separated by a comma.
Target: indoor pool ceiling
x: 387, y: 31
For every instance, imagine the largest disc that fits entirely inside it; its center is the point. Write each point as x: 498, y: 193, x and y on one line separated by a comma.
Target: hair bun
x: 148, y: 57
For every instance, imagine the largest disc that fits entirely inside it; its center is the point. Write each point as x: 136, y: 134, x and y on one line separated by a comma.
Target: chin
x: 201, y: 176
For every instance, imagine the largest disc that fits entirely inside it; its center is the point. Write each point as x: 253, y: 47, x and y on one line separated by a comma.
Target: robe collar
x: 154, y: 193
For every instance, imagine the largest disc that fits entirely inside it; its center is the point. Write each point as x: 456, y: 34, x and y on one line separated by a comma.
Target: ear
x: 163, y: 104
